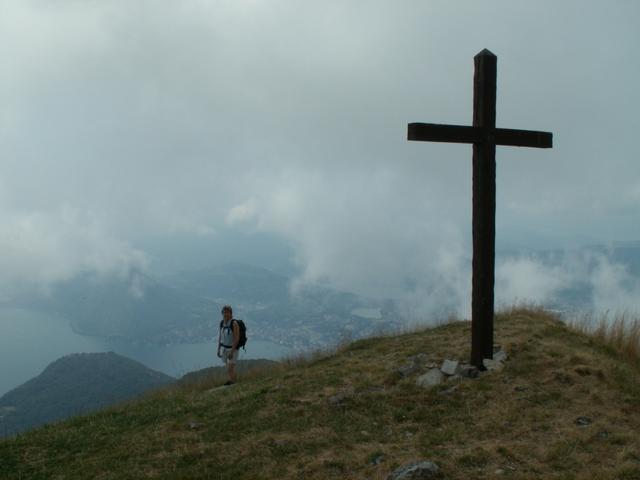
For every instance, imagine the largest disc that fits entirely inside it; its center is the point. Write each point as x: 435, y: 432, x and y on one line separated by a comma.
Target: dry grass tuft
x: 620, y: 330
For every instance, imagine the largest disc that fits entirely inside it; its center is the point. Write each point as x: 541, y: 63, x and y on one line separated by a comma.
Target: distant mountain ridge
x: 232, y: 282
x: 185, y: 307
x: 578, y: 294
x: 133, y: 306
x: 313, y: 316
x: 76, y: 384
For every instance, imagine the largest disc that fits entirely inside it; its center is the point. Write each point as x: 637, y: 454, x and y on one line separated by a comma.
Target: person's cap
x: 227, y: 307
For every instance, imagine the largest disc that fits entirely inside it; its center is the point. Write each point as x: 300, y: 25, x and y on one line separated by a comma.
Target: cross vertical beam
x: 484, y: 207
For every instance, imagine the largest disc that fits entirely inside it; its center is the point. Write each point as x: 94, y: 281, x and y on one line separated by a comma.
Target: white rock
x: 500, y: 355
x: 415, y: 471
x: 431, y: 378
x: 491, y: 364
x: 449, y: 367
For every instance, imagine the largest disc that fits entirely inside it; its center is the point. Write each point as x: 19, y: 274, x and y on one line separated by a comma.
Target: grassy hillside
x: 350, y: 415
x: 212, y: 375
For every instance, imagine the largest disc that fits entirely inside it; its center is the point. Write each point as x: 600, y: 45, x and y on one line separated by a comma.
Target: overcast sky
x: 125, y: 122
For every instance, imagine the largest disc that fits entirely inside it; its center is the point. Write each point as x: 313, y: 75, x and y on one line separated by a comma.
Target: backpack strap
x: 219, y: 337
x: 230, y: 326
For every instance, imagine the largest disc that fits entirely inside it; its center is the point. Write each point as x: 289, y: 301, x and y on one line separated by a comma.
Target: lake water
x: 30, y: 340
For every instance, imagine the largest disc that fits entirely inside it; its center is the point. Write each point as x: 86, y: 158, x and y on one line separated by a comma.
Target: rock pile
x: 449, y: 370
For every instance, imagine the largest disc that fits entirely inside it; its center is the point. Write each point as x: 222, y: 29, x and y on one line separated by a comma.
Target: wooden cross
x: 484, y: 136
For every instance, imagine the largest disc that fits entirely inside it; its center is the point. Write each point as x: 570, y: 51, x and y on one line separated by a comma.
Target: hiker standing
x: 228, y: 340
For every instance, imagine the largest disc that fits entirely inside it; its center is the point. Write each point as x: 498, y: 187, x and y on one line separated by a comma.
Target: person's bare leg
x: 232, y: 372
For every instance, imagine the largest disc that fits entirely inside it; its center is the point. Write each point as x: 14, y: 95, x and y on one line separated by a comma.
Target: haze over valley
x: 161, y: 159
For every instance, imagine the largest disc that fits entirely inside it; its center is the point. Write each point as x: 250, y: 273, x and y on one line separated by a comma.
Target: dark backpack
x: 242, y: 341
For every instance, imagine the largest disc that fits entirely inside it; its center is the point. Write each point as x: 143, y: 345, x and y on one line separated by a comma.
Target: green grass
x: 279, y: 423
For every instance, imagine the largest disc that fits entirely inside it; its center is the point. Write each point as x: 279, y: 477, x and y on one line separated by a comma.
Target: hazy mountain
x: 232, y: 282
x: 625, y: 253
x: 580, y: 265
x: 134, y: 307
x: 175, y: 251
x: 75, y: 384
x: 185, y: 307
x: 311, y: 316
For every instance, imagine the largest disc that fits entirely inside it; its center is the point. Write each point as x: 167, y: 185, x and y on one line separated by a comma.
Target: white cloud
x: 525, y: 279
x: 242, y: 212
x: 41, y: 249
x: 615, y: 289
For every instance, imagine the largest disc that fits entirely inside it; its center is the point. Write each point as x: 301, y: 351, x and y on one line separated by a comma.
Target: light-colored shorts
x: 227, y: 358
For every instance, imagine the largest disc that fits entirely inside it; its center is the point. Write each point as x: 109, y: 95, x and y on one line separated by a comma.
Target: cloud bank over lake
x: 128, y: 122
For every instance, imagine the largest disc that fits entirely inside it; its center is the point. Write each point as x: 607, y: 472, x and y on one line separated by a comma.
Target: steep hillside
x: 563, y: 406
x: 212, y: 375
x: 75, y: 384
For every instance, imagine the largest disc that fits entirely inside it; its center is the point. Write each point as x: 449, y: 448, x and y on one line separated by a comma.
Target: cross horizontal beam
x: 434, y: 132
